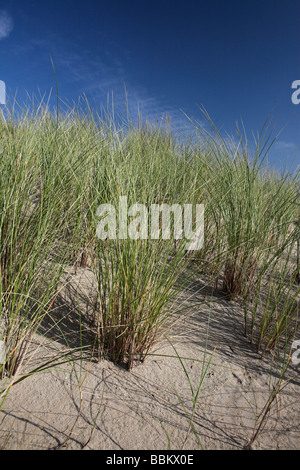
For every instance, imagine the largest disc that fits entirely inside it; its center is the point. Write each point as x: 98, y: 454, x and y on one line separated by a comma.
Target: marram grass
x: 56, y: 171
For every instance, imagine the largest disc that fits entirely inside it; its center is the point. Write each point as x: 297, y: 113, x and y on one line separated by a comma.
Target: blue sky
x: 236, y: 58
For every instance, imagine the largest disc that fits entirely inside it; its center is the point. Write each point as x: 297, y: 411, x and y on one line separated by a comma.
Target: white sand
x: 103, y: 406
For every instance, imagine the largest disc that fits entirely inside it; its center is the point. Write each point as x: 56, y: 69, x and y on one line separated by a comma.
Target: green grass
x: 56, y: 171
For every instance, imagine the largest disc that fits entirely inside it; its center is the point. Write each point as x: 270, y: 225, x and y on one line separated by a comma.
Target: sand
x: 100, y: 405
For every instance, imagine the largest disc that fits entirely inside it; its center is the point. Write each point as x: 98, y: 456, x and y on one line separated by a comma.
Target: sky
x: 238, y: 59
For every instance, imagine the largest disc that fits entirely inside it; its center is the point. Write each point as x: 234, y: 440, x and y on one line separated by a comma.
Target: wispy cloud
x: 104, y: 79
x: 6, y: 24
x: 101, y: 76
x: 282, y: 145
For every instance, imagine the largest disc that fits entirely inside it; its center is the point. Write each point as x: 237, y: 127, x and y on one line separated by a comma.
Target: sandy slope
x: 102, y: 406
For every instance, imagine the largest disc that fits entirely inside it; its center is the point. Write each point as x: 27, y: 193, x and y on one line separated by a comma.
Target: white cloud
x: 104, y: 80
x: 6, y: 24
x: 282, y: 145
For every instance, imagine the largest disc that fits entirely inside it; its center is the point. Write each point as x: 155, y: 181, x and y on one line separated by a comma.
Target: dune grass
x: 57, y: 170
